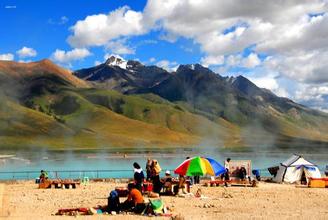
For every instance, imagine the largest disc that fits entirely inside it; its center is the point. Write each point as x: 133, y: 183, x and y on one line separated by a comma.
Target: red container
x: 147, y: 187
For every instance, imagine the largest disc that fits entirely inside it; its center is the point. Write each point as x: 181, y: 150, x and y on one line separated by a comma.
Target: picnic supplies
x: 59, y: 184
x: 199, y: 166
x: 73, y: 211
x: 318, y: 182
x: 156, y: 207
x: 147, y: 187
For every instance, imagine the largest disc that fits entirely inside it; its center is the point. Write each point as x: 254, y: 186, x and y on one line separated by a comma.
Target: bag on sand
x: 157, y: 205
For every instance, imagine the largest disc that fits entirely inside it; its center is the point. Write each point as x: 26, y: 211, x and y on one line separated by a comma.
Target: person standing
x: 148, y: 169
x: 189, y: 178
x: 138, y: 176
x: 227, y: 170
x: 196, y: 179
x: 156, y: 169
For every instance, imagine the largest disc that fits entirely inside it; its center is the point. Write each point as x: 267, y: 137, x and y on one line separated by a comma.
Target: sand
x: 23, y: 200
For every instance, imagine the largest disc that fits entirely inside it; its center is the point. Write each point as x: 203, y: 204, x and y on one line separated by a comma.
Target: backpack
x: 113, y: 201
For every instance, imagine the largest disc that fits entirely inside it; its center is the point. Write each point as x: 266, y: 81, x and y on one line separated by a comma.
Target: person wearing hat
x: 167, y: 183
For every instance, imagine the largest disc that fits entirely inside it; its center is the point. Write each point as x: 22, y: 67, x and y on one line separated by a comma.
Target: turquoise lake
x: 26, y: 164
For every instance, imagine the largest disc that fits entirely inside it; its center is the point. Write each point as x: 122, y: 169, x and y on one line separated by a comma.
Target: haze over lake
x: 118, y: 163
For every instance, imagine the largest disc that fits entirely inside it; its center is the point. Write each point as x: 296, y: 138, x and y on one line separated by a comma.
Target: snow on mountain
x: 115, y: 60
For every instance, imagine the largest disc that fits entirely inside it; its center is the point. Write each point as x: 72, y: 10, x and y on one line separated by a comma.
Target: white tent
x: 296, y: 167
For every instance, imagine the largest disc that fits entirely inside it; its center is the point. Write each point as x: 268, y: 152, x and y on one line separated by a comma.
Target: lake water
x: 26, y: 164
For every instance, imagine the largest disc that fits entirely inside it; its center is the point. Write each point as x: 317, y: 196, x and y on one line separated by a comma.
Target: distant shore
x: 23, y: 200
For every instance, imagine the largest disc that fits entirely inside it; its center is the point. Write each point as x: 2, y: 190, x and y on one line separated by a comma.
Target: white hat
x: 167, y: 172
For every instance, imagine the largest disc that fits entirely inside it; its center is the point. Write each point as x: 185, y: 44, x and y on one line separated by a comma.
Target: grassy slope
x: 101, y: 118
x: 96, y: 126
x: 142, y: 120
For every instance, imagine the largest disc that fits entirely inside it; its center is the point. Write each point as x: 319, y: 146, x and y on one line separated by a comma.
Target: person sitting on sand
x: 43, y: 176
x: 156, y: 169
x: 138, y: 176
x: 180, y: 186
x: 167, y: 183
x: 135, y: 200
x: 242, y: 173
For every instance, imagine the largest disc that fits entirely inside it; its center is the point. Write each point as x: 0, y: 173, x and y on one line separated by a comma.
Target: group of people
x: 166, y: 185
x: 135, y: 201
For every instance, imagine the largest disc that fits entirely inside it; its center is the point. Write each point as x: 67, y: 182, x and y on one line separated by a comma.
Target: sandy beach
x: 23, y: 200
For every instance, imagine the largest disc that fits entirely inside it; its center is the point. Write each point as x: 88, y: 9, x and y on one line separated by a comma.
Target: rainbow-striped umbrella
x: 199, y: 166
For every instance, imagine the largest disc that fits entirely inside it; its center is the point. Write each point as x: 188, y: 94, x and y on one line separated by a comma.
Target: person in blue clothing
x: 138, y: 176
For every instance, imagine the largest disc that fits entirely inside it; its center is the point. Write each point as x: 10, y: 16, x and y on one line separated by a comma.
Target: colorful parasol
x: 199, y: 166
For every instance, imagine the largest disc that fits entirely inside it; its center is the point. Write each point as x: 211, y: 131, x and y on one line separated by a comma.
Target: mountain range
x: 128, y: 104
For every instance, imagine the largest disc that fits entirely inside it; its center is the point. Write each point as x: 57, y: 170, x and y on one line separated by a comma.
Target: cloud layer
x: 25, y: 52
x: 7, y: 56
x: 66, y: 57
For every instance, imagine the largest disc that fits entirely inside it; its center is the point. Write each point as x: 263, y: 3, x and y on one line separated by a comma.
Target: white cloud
x: 309, y: 67
x: 98, y: 30
x: 61, y: 21
x: 267, y: 82
x: 97, y: 62
x: 152, y: 59
x: 119, y: 47
x: 26, y: 52
x: 7, y: 56
x: 263, y: 23
x: 313, y: 95
x: 10, y: 7
x: 270, y: 82
x: 24, y: 61
x: 167, y: 65
x: 251, y: 61
x: 66, y: 57
x: 212, y: 60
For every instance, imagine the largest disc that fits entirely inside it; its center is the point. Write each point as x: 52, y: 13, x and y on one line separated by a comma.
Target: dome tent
x: 296, y: 167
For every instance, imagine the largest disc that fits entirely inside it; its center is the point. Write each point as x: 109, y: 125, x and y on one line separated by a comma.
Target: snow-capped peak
x: 116, y: 60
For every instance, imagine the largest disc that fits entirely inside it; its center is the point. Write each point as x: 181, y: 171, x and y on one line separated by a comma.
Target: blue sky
x: 45, y: 26
x: 279, y: 46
